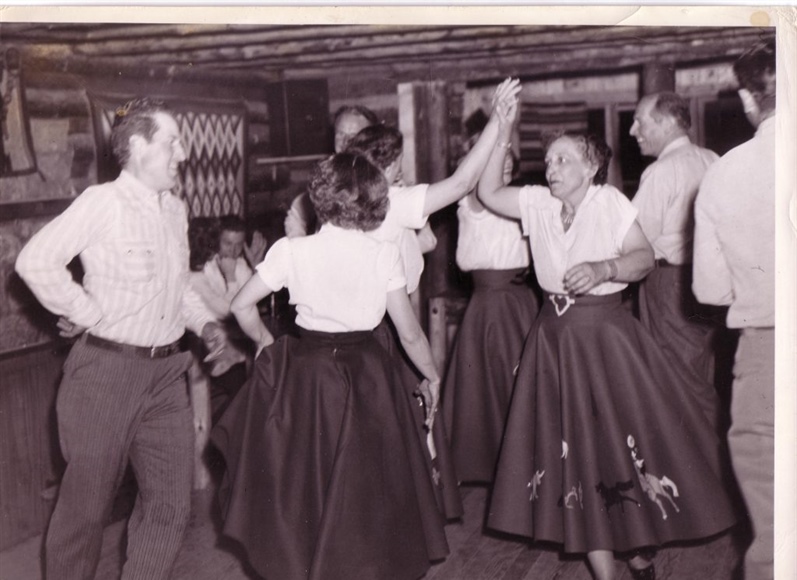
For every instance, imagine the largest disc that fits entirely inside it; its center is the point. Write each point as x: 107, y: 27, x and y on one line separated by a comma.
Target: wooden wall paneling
x: 656, y: 77
x: 401, y: 53
x: 615, y: 176
x: 30, y: 459
x: 307, y: 116
x: 445, y: 318
x: 423, y: 120
x: 537, y: 120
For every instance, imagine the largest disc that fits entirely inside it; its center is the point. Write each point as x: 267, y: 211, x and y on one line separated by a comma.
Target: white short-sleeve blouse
x: 600, y: 225
x: 487, y: 241
x: 337, y: 278
x: 404, y: 216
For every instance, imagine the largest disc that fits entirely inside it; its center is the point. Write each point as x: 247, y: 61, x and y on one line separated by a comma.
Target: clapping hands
x: 505, y: 101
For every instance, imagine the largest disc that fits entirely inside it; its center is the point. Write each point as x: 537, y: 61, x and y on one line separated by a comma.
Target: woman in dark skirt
x: 605, y: 449
x: 326, y: 477
x: 478, y: 384
x: 410, y: 207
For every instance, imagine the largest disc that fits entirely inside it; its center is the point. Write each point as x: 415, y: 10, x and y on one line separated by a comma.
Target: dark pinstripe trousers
x: 669, y: 310
x: 113, y: 408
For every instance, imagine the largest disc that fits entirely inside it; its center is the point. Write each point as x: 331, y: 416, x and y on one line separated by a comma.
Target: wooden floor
x: 475, y: 555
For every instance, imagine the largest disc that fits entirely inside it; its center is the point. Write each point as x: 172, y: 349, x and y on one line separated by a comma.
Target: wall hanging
x: 16, y: 147
x: 214, y: 133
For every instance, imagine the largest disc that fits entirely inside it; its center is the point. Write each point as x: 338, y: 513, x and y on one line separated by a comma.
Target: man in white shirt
x: 734, y: 266
x: 665, y: 201
x: 123, y: 395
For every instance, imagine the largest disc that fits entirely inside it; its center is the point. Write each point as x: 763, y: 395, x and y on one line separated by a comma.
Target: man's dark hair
x: 380, y: 144
x: 137, y: 117
x: 348, y: 191
x: 755, y: 71
x: 231, y: 223
x: 675, y: 106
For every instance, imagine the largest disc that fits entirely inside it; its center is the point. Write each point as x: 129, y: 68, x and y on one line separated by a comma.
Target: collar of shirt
x: 146, y: 195
x: 588, y: 197
x: 329, y: 229
x: 677, y: 143
x: 766, y: 126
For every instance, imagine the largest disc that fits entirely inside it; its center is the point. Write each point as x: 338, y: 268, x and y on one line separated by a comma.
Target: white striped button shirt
x: 132, y: 242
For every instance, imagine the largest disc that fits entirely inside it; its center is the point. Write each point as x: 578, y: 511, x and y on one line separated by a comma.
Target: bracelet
x: 504, y: 145
x: 612, y: 270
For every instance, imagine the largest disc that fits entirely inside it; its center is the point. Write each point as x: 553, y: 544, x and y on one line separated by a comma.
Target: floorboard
x: 475, y: 555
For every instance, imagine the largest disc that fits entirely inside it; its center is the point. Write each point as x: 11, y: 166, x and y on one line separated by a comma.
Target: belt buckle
x: 568, y: 302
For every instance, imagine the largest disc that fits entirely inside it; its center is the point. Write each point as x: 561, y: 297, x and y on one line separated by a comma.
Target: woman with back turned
x: 326, y: 478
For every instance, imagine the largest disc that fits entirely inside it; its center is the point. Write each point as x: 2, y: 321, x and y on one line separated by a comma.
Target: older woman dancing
x: 605, y: 449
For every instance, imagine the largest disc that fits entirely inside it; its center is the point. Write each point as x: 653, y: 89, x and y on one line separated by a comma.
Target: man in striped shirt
x: 665, y: 201
x: 123, y: 395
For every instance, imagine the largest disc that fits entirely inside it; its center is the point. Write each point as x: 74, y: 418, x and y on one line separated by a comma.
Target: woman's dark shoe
x: 648, y: 573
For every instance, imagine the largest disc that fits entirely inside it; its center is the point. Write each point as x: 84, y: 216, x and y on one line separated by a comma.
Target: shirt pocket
x: 137, y: 260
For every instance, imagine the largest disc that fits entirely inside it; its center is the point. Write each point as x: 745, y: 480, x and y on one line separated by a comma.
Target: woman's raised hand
x: 256, y: 251
x: 507, y: 111
x: 506, y: 94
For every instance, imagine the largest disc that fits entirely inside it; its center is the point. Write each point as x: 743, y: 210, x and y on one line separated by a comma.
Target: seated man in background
x: 221, y: 263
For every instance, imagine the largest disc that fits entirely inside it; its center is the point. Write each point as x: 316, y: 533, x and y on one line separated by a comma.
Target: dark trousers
x: 668, y: 309
x: 113, y: 408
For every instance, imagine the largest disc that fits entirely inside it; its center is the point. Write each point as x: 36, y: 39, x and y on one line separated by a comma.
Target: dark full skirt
x: 440, y: 468
x: 325, y: 475
x: 481, y: 374
x: 605, y: 447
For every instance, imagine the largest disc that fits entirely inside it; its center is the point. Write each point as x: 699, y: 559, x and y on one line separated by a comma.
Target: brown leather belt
x: 136, y: 351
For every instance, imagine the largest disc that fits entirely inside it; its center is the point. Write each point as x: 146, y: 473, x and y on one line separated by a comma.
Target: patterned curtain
x: 538, y: 119
x: 214, y: 134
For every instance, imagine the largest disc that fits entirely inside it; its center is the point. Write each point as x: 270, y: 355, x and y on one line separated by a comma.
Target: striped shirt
x: 133, y: 245
x: 666, y: 198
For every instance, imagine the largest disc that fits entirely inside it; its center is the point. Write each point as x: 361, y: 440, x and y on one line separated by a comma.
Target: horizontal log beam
x: 319, y: 44
x: 245, y: 56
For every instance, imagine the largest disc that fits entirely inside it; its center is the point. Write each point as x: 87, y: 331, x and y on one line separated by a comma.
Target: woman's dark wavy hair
x: 348, y: 191
x: 594, y: 149
x: 137, y: 117
x: 380, y: 144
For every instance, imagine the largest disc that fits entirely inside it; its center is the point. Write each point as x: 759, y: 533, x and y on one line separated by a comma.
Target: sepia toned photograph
x: 398, y: 293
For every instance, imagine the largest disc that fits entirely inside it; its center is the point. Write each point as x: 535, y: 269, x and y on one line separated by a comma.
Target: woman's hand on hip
x: 583, y: 277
